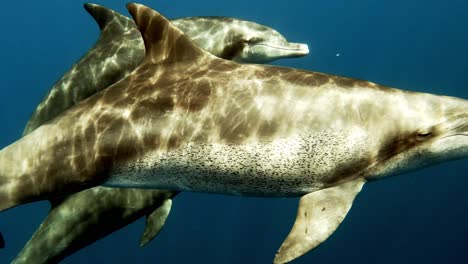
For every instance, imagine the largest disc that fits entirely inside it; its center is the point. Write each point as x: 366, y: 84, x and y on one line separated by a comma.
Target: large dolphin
x: 79, y: 220
x: 189, y: 121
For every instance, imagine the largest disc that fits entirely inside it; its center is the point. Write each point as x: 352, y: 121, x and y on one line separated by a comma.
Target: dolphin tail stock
x: 319, y: 215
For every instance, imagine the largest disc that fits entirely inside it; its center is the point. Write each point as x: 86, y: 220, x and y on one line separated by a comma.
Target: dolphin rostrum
x: 189, y: 121
x: 113, y: 208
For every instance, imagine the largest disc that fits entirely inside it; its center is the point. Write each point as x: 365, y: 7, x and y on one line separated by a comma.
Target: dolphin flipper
x: 319, y: 215
x: 155, y: 222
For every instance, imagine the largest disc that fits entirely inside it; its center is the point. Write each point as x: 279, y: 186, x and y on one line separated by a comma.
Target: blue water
x: 418, y: 45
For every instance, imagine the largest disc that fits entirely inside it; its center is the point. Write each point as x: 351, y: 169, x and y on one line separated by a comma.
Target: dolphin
x: 186, y: 120
x: 228, y: 38
x: 113, y: 208
x: 243, y: 41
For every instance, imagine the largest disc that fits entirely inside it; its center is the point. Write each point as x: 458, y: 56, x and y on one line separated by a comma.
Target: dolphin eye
x: 253, y: 40
x: 424, y: 134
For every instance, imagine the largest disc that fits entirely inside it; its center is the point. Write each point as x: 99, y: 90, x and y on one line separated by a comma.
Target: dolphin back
x: 83, y: 81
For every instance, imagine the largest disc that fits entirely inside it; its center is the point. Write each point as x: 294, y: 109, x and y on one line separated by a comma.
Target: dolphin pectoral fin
x: 155, y: 222
x: 319, y: 215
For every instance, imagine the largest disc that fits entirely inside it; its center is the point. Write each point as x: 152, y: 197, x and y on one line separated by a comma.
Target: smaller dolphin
x: 83, y: 218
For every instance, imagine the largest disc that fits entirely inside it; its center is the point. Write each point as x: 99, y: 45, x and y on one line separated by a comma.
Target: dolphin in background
x: 227, y: 38
x: 82, y: 218
x: 186, y: 120
x: 243, y: 41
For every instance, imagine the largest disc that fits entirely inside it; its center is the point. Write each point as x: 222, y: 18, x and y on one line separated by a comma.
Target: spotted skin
x: 181, y: 100
x: 82, y: 218
x: 158, y: 110
x: 243, y: 169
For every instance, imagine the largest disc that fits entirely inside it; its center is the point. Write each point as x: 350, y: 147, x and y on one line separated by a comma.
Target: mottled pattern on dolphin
x: 79, y: 220
x: 189, y: 121
x: 224, y: 37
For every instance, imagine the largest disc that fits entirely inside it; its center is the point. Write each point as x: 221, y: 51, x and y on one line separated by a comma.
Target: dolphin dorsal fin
x: 103, y: 16
x: 163, y: 41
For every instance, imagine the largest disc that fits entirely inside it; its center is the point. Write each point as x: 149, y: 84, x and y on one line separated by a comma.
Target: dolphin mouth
x: 457, y: 126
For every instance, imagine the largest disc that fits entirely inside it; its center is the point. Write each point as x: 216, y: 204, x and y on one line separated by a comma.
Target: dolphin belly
x: 289, y: 166
x: 254, y: 169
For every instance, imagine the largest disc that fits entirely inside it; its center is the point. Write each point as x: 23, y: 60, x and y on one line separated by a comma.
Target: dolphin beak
x: 454, y: 142
x: 460, y: 126
x: 268, y: 52
x: 297, y: 50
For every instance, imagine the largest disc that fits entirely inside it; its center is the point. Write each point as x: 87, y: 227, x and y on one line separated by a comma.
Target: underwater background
x: 419, y: 45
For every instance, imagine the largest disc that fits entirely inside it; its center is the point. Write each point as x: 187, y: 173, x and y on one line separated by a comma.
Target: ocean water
x: 418, y: 45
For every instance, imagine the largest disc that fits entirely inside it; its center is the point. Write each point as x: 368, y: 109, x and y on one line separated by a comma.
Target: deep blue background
x: 417, y: 45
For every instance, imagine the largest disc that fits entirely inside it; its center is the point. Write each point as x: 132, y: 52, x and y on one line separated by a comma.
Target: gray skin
x: 243, y: 41
x: 190, y: 121
x: 79, y: 220
x: 82, y: 218
x: 227, y: 38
